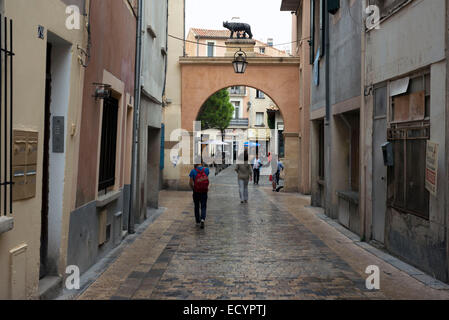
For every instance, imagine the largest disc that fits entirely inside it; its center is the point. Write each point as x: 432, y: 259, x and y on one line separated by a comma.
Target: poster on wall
x: 432, y: 167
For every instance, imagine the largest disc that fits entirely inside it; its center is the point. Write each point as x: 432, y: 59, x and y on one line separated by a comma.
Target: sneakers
x: 202, y: 224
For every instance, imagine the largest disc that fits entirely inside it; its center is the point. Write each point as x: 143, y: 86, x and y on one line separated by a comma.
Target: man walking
x: 256, y: 168
x: 244, y: 174
x: 199, y: 182
x: 277, y: 173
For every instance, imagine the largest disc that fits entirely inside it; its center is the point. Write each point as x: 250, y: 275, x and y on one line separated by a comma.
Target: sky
x: 264, y: 16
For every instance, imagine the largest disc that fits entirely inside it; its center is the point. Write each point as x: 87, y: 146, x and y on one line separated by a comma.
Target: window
x: 262, y: 50
x: 210, y: 49
x: 108, y: 144
x: 236, y: 105
x: 260, y: 95
x: 281, y: 145
x: 408, y: 132
x: 321, y: 172
x: 238, y: 90
x: 260, y: 119
x: 413, y: 105
x: 317, y: 13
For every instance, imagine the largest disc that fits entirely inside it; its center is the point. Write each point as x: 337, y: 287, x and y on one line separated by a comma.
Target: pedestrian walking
x: 256, y: 169
x: 199, y: 182
x: 277, y: 167
x: 244, y: 172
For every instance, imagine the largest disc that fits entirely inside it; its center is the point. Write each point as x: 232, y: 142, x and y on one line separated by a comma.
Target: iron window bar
x: 6, y: 95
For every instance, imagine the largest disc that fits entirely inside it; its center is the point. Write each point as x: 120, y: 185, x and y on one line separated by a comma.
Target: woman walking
x: 245, y: 173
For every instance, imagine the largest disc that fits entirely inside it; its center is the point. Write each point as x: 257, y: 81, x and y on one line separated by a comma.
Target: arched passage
x: 277, y: 77
x: 256, y: 122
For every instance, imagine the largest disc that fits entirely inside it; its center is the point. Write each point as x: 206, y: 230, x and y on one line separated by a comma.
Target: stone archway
x: 277, y: 77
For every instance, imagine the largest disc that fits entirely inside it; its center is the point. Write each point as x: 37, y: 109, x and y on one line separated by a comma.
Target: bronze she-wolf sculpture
x: 237, y: 27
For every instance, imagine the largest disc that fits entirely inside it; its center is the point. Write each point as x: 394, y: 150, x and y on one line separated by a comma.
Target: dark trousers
x: 200, y: 200
x: 256, y: 176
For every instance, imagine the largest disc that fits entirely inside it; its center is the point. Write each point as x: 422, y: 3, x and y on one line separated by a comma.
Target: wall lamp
x: 102, y: 91
x: 240, y: 62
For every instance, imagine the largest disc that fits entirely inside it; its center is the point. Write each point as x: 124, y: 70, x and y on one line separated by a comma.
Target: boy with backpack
x: 199, y: 182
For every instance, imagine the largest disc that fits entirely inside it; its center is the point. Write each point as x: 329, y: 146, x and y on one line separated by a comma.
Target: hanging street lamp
x: 240, y: 62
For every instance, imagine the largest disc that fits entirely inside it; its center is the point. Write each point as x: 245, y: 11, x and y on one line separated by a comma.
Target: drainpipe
x: 446, y: 195
x: 136, y: 127
x: 327, y: 129
x: 363, y: 127
x: 184, y: 32
x: 166, y: 56
x: 327, y: 71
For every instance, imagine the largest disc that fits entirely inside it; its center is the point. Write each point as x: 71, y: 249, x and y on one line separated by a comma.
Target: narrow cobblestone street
x: 275, y: 247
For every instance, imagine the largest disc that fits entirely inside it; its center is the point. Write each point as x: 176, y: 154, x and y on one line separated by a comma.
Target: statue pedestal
x: 246, y: 45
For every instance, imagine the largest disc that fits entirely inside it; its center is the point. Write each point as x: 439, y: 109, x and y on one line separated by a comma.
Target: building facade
x: 172, y: 110
x: 153, y: 70
x: 101, y: 209
x: 406, y: 112
x: 48, y: 62
x: 378, y: 101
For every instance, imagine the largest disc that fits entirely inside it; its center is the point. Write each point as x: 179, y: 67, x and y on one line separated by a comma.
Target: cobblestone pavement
x: 272, y: 248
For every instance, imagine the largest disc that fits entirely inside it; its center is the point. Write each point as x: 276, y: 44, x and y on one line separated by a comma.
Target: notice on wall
x: 432, y: 167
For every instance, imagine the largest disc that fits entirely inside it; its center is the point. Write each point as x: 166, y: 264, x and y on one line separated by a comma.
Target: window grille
x: 108, y: 144
x: 6, y: 114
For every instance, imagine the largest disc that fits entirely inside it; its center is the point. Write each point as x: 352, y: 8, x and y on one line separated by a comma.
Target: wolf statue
x: 237, y: 27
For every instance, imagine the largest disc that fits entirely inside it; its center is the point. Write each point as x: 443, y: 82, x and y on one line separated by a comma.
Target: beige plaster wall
x: 29, y: 76
x: 172, y: 111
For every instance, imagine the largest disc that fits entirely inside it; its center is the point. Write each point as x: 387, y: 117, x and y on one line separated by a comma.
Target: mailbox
x: 19, y: 188
x: 20, y: 148
x: 32, y: 148
x: 30, y: 181
x: 387, y: 151
x: 24, y: 164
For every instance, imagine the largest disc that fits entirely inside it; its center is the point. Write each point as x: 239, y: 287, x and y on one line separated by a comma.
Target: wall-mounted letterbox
x: 20, y: 148
x: 387, y: 152
x: 30, y: 181
x: 24, y: 164
x: 19, y: 187
x: 32, y: 148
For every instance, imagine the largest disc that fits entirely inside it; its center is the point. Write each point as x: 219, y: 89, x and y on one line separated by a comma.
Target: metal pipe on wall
x: 363, y: 210
x: 136, y: 127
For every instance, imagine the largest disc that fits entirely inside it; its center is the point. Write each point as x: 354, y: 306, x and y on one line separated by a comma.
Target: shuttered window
x: 108, y: 144
x: 409, y: 131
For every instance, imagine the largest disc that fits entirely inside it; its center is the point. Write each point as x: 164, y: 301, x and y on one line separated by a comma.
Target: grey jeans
x: 243, y: 189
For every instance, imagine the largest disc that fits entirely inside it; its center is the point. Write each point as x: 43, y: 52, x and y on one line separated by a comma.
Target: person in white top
x: 256, y: 168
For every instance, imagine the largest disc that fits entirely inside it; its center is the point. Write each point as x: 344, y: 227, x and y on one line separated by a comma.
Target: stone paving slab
x: 272, y: 248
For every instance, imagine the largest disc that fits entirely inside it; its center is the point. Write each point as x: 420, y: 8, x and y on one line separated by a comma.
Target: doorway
x: 153, y: 167
x: 57, y: 90
x: 43, y: 271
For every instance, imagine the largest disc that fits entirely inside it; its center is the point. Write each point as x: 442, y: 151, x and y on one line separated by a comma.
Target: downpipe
x: 136, y: 126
